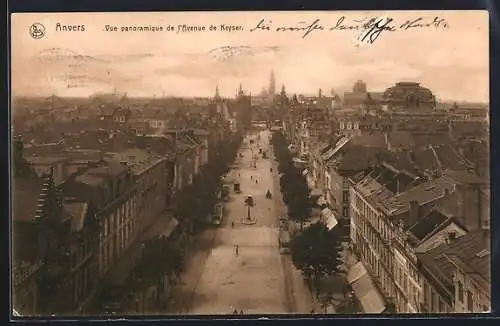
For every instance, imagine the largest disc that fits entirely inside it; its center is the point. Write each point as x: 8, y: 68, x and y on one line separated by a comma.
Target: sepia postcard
x: 250, y: 163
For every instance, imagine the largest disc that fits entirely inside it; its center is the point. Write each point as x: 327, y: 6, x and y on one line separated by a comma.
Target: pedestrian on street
x: 237, y: 249
x: 232, y: 224
x: 251, y: 177
x: 235, y: 312
x: 256, y: 181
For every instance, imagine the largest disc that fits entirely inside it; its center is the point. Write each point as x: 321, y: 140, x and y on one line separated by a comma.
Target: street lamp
x: 249, y: 203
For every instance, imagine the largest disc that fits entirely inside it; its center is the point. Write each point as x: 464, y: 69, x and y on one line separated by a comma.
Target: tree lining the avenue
x: 293, y: 183
x: 161, y: 257
x: 197, y: 200
x: 317, y: 251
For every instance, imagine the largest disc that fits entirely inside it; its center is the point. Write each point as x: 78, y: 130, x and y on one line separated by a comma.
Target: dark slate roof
x: 464, y: 251
x: 45, y: 160
x: 466, y: 177
x: 94, y: 176
x: 401, y: 139
x: 108, y: 168
x: 354, y: 158
x: 424, y: 159
x: 449, y: 158
x: 90, y: 180
x: 400, y: 161
x: 400, y: 183
x: 138, y: 160
x: 470, y: 128
x: 374, y: 140
x: 426, y: 139
x: 425, y: 192
x: 25, y: 197
x: 427, y: 224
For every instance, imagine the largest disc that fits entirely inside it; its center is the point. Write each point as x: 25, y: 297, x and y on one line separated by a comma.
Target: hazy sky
x: 452, y: 61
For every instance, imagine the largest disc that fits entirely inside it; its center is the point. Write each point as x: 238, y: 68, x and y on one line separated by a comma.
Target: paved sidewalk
x: 183, y: 291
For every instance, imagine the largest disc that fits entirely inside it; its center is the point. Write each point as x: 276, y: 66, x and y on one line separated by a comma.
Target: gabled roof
x: 401, y: 139
x: 426, y: 192
x: 354, y: 158
x: 95, y: 176
x: 466, y: 177
x: 469, y: 252
x: 138, y: 160
x: 427, y: 224
x: 373, y: 140
x: 326, y: 156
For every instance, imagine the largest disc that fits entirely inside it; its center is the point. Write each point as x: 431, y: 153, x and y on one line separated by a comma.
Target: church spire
x: 283, y: 92
x: 240, y: 91
x: 272, y: 84
x: 217, y: 95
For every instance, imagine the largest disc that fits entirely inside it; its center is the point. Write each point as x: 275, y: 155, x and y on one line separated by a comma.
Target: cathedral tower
x: 272, y: 84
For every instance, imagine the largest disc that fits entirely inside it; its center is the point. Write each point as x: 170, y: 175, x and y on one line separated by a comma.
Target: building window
x: 442, y: 306
x: 470, y: 302
x: 345, y: 195
x: 460, y: 291
x: 345, y: 211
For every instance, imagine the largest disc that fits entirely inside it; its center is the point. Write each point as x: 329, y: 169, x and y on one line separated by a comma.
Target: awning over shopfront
x: 365, y: 290
x: 315, y: 192
x: 298, y: 160
x: 328, y: 217
x: 321, y: 201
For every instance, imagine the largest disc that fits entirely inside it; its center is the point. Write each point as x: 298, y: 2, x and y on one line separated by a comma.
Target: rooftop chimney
x: 414, y: 211
x: 450, y: 237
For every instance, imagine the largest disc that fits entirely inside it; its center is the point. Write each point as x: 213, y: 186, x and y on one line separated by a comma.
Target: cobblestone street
x: 219, y: 281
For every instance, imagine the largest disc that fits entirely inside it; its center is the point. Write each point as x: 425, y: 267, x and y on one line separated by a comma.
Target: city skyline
x: 193, y: 64
x: 138, y: 191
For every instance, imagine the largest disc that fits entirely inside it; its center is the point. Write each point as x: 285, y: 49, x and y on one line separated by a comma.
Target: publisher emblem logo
x: 37, y: 31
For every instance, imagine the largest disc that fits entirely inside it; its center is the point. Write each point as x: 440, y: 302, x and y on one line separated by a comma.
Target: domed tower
x: 410, y: 96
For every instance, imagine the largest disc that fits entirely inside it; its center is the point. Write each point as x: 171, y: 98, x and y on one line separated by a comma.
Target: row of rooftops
x: 110, y: 140
x: 392, y: 190
x: 97, y: 173
x: 470, y: 253
x: 468, y: 250
x: 356, y: 152
x: 137, y: 160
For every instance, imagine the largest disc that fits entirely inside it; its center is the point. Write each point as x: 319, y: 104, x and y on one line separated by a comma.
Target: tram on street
x: 218, y: 214
x: 284, y: 242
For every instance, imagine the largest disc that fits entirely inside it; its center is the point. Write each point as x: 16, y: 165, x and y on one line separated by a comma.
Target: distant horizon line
x: 118, y: 96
